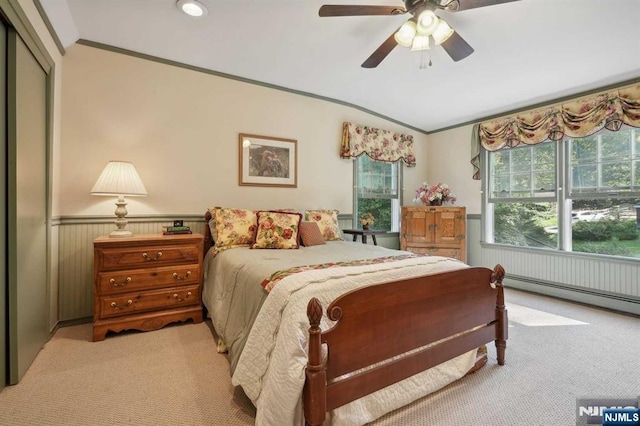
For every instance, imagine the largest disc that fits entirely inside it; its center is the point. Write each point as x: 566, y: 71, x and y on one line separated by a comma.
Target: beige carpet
x: 557, y: 352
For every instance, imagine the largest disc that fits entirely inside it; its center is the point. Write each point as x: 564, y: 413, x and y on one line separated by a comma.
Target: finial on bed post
x: 315, y: 386
x: 502, y: 327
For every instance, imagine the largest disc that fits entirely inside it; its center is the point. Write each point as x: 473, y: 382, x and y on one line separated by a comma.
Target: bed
x: 398, y: 326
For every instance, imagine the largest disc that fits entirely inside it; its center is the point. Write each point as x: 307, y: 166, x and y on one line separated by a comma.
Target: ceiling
x: 526, y: 52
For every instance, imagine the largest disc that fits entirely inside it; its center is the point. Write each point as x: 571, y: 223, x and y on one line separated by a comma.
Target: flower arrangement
x: 367, y: 220
x: 434, y: 195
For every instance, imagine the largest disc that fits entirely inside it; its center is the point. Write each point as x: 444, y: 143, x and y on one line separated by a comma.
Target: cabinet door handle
x: 183, y: 277
x: 115, y: 306
x: 122, y: 284
x: 146, y: 256
x: 175, y: 296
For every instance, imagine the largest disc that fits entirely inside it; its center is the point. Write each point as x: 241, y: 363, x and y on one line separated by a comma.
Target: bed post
x: 315, y: 386
x: 208, y: 240
x: 501, y: 314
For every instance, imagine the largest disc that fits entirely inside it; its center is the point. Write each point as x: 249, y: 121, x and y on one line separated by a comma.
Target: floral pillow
x: 327, y: 221
x: 310, y: 234
x: 277, y: 230
x: 234, y: 227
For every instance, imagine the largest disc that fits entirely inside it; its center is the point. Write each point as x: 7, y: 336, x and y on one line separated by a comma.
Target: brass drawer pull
x: 175, y: 296
x: 122, y: 284
x: 114, y: 305
x: 184, y: 277
x: 146, y: 256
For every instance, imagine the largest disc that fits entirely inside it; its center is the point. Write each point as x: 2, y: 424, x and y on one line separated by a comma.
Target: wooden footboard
x: 380, y: 322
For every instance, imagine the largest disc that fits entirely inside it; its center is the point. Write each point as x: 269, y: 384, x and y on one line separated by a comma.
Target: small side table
x: 363, y: 233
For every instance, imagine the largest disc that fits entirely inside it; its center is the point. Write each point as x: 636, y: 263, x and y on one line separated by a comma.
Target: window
x: 597, y: 212
x: 377, y: 191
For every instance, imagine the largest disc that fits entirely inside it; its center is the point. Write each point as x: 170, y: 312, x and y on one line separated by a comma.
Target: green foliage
x: 380, y: 208
x: 592, y: 231
x: 624, y: 230
x: 612, y: 248
x: 520, y: 224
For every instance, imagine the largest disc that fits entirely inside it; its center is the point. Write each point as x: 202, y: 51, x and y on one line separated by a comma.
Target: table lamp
x: 119, y: 178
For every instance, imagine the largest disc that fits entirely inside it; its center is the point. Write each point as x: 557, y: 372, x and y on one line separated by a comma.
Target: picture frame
x: 267, y: 161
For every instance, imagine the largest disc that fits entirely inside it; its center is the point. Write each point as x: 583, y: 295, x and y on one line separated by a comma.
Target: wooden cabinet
x: 146, y: 282
x: 438, y: 231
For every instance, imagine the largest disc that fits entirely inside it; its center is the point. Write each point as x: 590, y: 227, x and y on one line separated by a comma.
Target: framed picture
x: 268, y: 161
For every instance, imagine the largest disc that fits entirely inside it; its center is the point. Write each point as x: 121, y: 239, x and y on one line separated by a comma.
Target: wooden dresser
x: 438, y: 231
x: 146, y: 282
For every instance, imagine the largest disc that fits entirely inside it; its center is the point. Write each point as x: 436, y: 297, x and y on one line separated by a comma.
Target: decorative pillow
x: 327, y: 221
x: 234, y: 227
x: 310, y: 234
x: 212, y: 223
x: 277, y: 230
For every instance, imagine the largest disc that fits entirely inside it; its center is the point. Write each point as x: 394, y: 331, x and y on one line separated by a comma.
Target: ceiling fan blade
x: 457, y: 47
x: 460, y: 5
x: 380, y: 53
x: 347, y: 10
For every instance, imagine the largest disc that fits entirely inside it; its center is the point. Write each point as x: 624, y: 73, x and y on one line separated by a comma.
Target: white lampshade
x: 119, y: 178
x: 404, y: 35
x: 420, y: 42
x: 427, y: 23
x: 442, y: 33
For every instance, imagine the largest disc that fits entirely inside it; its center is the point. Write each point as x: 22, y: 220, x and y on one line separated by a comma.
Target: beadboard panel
x: 75, y: 258
x: 75, y: 255
x: 597, y: 280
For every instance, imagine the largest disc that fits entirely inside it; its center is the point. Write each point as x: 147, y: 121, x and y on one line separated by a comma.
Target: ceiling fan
x: 416, y: 32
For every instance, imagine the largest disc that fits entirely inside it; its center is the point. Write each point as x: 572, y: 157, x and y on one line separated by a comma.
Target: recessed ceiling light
x: 192, y: 7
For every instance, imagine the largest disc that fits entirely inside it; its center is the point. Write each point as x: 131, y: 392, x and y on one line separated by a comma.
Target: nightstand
x: 145, y: 282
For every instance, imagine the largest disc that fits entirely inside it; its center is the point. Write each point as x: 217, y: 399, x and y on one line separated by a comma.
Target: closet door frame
x: 16, y: 20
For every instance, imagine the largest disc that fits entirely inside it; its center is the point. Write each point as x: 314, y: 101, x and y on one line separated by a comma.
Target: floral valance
x: 379, y: 145
x: 577, y: 118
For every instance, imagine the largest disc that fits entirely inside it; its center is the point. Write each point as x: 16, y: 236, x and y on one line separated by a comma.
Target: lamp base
x: 121, y: 230
x: 120, y: 233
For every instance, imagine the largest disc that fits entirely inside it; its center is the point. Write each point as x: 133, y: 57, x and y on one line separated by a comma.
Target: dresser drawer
x: 145, y: 279
x: 147, y: 256
x: 126, y: 304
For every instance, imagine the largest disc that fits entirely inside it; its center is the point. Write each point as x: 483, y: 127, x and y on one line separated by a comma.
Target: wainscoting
x: 596, y: 280
x: 75, y: 237
x: 587, y: 279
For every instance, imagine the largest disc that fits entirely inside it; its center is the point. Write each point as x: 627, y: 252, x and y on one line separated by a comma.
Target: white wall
x: 180, y: 129
x: 449, y: 162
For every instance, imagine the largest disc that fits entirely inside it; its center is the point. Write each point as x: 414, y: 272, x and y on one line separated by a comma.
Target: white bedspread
x: 271, y: 366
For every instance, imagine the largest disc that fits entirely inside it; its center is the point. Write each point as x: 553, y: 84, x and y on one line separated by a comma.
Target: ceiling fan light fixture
x: 427, y: 22
x: 404, y: 36
x: 442, y: 32
x: 420, y: 42
x: 192, y: 8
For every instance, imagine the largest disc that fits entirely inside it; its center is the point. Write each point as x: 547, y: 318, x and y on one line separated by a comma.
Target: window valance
x: 577, y: 118
x: 379, y: 145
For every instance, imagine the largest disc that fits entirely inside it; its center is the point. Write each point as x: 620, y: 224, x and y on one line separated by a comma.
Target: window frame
x: 564, y: 193
x: 395, y: 211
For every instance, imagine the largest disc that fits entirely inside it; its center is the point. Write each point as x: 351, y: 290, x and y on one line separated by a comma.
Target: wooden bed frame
x: 380, y: 322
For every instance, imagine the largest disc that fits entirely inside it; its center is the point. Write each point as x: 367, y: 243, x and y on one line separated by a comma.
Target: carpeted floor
x: 557, y: 352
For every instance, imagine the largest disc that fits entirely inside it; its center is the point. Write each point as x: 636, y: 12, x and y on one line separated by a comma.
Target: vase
x: 436, y: 203
x: 365, y: 227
